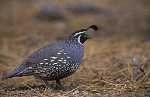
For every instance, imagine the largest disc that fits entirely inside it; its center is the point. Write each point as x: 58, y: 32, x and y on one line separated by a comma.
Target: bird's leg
x: 58, y: 84
x: 45, y: 82
x: 46, y: 85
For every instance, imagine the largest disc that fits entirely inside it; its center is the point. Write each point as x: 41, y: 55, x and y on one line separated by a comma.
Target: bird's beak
x: 90, y: 30
x: 89, y: 34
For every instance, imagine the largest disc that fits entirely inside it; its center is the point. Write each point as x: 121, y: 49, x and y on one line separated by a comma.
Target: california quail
x: 55, y: 61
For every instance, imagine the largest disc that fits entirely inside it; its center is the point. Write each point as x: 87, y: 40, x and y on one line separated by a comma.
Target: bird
x: 55, y: 61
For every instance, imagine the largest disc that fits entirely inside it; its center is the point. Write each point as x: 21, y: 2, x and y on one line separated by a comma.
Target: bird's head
x: 84, y: 34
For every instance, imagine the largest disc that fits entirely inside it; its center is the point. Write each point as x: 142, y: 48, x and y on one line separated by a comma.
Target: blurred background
x: 116, y: 61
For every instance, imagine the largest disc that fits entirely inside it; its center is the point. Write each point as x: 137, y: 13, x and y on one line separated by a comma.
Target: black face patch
x: 83, y: 38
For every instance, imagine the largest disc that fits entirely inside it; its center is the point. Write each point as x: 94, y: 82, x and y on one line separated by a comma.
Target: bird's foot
x: 59, y: 86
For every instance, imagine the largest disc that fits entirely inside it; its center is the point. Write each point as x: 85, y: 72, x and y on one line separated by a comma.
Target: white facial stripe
x: 79, y: 40
x: 79, y: 33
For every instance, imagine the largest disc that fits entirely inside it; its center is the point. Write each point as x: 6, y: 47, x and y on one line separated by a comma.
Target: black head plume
x: 94, y: 27
x: 85, y: 31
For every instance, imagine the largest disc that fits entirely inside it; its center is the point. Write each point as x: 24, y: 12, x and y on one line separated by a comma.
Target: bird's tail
x: 10, y: 74
x: 18, y: 72
x: 6, y: 75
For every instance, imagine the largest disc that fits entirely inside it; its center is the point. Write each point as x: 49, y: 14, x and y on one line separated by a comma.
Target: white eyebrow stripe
x: 79, y: 33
